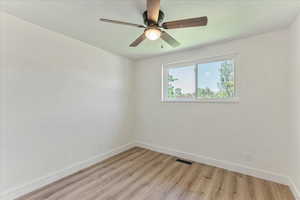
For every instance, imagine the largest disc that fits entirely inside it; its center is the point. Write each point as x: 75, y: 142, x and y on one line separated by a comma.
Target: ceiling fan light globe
x: 153, y: 33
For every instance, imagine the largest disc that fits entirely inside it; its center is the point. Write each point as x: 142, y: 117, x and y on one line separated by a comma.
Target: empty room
x: 150, y: 99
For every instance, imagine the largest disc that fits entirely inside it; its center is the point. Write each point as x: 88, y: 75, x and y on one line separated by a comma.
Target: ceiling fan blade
x: 185, y: 23
x: 138, y: 40
x: 153, y: 7
x: 122, y: 23
x: 169, y: 39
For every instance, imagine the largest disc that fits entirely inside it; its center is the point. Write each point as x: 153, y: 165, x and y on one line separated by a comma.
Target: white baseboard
x: 43, y: 181
x: 259, y: 173
x: 266, y: 175
x: 294, y: 190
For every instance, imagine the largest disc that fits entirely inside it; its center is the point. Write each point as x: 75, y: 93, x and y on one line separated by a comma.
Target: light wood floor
x: 140, y: 174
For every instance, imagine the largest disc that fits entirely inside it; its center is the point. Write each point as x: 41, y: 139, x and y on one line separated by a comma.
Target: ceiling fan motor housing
x: 161, y: 17
x: 153, y: 20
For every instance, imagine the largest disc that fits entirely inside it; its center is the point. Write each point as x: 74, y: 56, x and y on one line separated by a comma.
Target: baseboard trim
x: 266, y: 175
x: 263, y: 174
x: 43, y: 181
x: 294, y: 189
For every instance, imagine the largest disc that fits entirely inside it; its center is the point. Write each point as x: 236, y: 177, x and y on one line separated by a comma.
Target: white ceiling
x: 228, y: 19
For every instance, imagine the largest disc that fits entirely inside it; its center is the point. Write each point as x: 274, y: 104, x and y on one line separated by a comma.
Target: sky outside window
x: 209, y: 75
x: 210, y: 83
x: 184, y: 80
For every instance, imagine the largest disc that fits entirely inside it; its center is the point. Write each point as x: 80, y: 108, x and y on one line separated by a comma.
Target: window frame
x: 166, y: 67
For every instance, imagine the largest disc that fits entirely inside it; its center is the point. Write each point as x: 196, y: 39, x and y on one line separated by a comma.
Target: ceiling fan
x: 153, y: 18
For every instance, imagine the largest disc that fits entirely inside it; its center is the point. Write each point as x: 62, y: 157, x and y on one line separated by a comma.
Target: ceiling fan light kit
x: 153, y: 33
x: 153, y: 18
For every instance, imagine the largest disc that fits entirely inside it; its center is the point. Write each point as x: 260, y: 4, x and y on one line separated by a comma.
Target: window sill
x: 231, y: 100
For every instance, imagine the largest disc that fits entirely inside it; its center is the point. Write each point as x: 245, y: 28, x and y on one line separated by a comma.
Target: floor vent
x: 184, y: 162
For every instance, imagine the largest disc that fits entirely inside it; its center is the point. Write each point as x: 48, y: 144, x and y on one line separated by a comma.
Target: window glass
x: 216, y: 79
x: 181, y: 82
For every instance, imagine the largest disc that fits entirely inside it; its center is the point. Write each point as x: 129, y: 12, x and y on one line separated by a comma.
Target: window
x: 206, y: 80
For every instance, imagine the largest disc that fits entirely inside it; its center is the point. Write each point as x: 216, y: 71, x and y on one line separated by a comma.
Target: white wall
x: 1, y: 103
x: 257, y: 125
x: 65, y: 101
x: 294, y: 88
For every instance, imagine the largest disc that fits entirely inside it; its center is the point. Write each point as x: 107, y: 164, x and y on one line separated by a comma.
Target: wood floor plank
x: 44, y: 192
x: 243, y: 189
x: 155, y: 183
x: 94, y: 174
x: 138, y: 179
x: 168, y: 184
x: 111, y: 191
x: 178, y: 190
x: 84, y: 190
x: 146, y: 180
x: 189, y: 187
x: 215, y: 185
x: 227, y: 187
x: 141, y: 174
